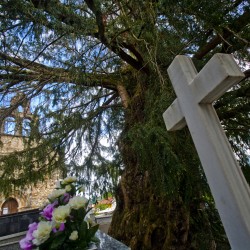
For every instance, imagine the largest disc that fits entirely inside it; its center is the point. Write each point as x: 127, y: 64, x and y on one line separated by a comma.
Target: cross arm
x: 173, y: 117
x: 218, y: 75
x: 206, y: 86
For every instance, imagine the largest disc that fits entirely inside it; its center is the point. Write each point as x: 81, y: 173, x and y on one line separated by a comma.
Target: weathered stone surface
x: 32, y: 196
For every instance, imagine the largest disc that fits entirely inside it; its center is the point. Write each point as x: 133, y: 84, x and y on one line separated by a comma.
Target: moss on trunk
x: 145, y: 220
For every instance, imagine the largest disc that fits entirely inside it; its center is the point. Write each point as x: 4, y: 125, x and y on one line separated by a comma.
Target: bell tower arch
x: 15, y: 121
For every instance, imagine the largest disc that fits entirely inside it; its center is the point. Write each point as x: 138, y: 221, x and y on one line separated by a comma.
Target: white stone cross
x: 195, y: 94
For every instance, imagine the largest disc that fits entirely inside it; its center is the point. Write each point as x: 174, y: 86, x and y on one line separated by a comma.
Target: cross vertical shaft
x: 193, y: 106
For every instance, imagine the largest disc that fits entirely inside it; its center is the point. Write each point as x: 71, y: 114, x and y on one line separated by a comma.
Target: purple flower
x: 66, y: 198
x: 60, y: 229
x: 33, y: 227
x: 47, y: 211
x: 26, y: 243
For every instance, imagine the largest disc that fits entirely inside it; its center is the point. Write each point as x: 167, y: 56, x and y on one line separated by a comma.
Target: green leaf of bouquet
x: 83, y: 244
x: 81, y: 213
x: 58, y: 241
x: 78, y: 214
x: 41, y: 219
x: 50, y: 201
x: 93, y: 230
x: 95, y: 239
x: 45, y: 245
x: 73, y: 190
x: 74, y: 214
x: 83, y: 230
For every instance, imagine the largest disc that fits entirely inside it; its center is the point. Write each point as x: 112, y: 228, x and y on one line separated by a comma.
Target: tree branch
x: 237, y: 25
x: 123, y: 95
x: 40, y: 72
x: 233, y: 112
x: 112, y: 45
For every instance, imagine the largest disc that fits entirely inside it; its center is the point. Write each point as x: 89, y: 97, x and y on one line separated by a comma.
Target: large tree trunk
x: 145, y: 220
x: 146, y: 217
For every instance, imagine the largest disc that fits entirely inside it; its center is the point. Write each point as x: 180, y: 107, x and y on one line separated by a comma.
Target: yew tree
x: 95, y: 74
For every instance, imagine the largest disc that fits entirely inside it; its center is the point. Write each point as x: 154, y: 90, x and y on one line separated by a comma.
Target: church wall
x: 34, y: 196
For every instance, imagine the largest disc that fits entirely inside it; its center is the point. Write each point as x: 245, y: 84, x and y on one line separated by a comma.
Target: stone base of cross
x: 193, y: 107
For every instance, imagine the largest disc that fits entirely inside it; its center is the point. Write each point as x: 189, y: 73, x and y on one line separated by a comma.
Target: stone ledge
x: 11, y: 239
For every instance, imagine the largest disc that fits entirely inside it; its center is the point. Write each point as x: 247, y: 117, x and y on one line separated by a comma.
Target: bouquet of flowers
x: 63, y: 223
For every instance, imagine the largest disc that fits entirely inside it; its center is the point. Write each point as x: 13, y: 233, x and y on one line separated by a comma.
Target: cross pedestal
x: 193, y: 107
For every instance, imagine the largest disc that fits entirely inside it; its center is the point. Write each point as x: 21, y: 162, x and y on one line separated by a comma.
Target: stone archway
x: 10, y: 206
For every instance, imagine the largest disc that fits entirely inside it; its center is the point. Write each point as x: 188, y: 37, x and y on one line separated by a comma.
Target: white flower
x: 60, y: 214
x: 74, y: 235
x: 55, y: 194
x: 69, y: 179
x: 42, y: 233
x: 78, y: 202
x: 67, y: 188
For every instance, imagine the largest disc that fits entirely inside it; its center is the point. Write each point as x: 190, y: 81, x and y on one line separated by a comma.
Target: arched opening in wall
x: 9, y: 126
x: 26, y: 127
x: 10, y: 206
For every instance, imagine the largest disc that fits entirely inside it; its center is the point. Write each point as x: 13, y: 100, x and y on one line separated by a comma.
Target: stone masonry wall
x: 32, y: 196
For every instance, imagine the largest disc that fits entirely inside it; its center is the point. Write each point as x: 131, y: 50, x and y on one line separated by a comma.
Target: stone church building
x: 13, y: 129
